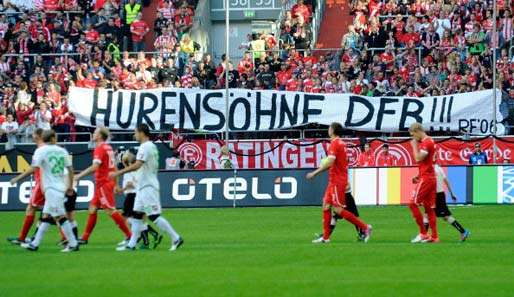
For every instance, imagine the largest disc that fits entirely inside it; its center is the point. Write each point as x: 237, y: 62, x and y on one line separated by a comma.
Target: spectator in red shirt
x: 60, y: 122
x: 54, y: 94
x: 92, y: 36
x: 86, y: 82
x: 2, y: 115
x: 70, y: 5
x: 51, y: 5
x: 38, y: 28
x: 23, y: 112
x: 293, y: 84
x: 246, y: 64
x: 301, y: 9
x: 410, y: 38
x: 366, y: 157
x: 183, y: 19
x: 283, y: 76
x: 138, y: 28
x: 388, y: 57
x: 385, y: 159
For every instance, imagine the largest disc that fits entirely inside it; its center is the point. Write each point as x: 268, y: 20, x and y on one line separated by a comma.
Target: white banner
x: 164, y: 109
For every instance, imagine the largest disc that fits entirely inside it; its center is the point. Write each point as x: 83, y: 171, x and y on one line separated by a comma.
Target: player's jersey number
x: 57, y: 164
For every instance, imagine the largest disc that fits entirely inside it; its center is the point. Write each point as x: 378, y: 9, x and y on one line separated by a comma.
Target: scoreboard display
x: 244, y: 9
x: 253, y: 4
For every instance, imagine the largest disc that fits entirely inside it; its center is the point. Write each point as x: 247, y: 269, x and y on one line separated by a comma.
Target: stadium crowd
x: 431, y: 47
x: 412, y: 48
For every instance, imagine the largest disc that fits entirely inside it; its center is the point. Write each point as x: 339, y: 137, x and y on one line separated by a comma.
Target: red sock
x: 432, y: 222
x: 327, y: 217
x: 350, y: 217
x: 27, y: 223
x: 118, y: 219
x: 418, y: 217
x: 91, y: 222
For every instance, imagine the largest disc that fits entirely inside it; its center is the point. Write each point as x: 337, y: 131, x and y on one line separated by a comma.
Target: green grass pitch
x: 267, y: 252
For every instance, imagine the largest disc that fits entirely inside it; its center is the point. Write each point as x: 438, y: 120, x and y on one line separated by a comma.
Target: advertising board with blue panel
x: 486, y: 184
x: 288, y: 187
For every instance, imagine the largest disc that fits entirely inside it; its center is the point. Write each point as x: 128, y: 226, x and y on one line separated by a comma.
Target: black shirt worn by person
x: 267, y: 78
x: 167, y: 73
x: 159, y: 24
x: 233, y: 77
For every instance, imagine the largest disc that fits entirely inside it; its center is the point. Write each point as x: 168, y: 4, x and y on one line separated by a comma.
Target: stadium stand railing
x: 319, y: 51
x: 316, y: 20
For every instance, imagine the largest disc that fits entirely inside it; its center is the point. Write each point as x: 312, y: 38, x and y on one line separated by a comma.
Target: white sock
x: 40, y: 233
x: 137, y: 227
x: 67, y: 229
x: 165, y: 226
x: 450, y: 219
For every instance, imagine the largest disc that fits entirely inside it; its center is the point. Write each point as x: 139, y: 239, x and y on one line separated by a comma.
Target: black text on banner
x: 165, y: 109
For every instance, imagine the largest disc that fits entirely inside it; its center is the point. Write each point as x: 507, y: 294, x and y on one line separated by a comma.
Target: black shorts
x: 69, y: 205
x: 350, y: 204
x: 128, y: 205
x: 441, y: 208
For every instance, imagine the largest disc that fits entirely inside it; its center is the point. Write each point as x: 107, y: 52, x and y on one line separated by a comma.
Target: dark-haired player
x: 129, y: 184
x: 334, y: 200
x: 423, y: 149
x: 148, y: 201
x: 37, y: 199
x: 103, y: 164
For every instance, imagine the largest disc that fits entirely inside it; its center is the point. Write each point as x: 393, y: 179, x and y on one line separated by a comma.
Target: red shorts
x: 104, y: 196
x: 425, y: 192
x: 335, y: 195
x: 37, y: 198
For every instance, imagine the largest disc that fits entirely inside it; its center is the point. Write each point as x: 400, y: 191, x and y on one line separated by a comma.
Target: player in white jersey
x: 56, y: 170
x: 128, y: 188
x: 147, y: 202
x: 441, y: 208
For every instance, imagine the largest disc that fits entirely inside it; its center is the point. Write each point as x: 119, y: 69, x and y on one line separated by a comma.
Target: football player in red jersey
x: 103, y: 164
x: 423, y: 149
x: 37, y: 199
x: 334, y: 200
x: 351, y: 206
